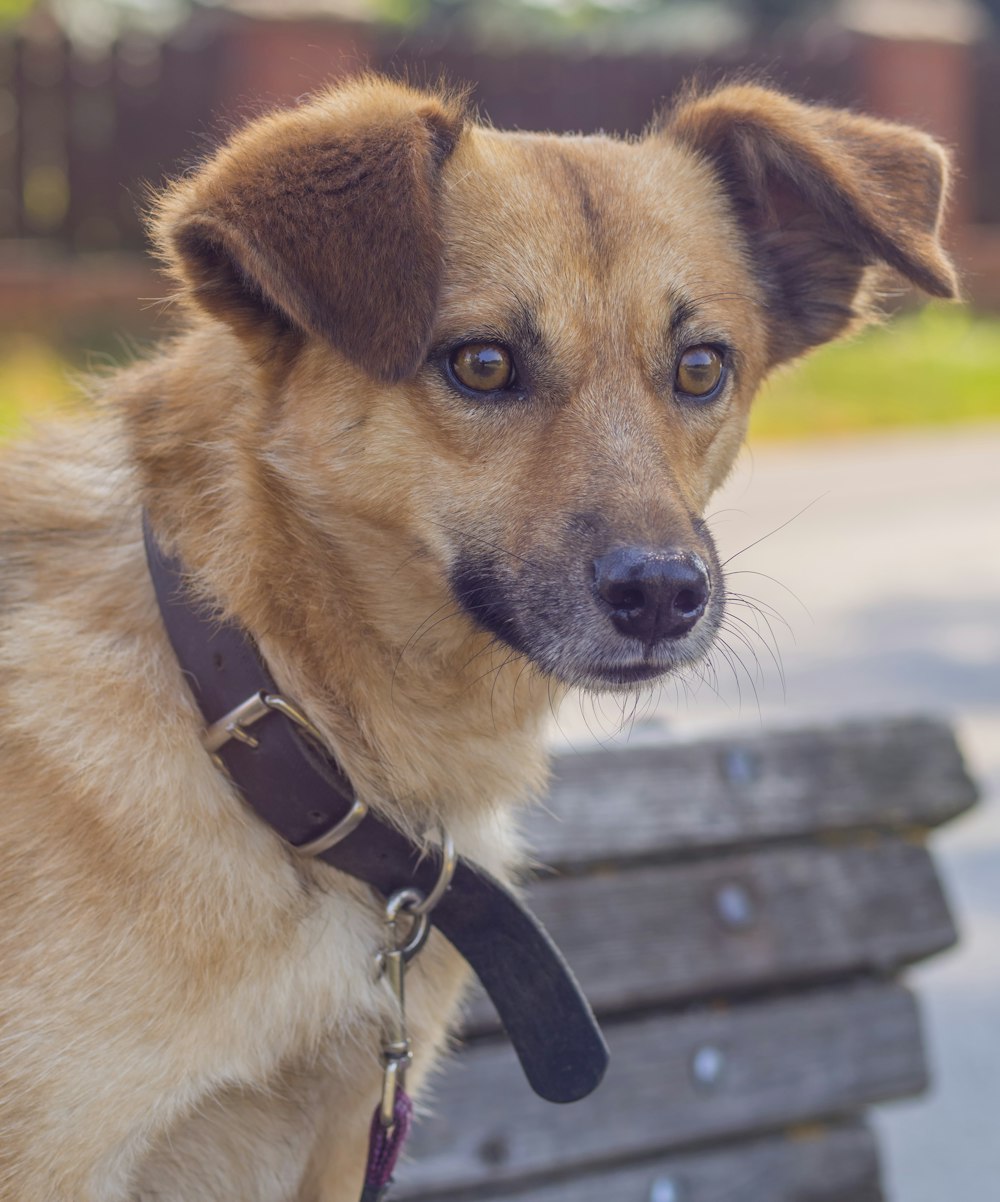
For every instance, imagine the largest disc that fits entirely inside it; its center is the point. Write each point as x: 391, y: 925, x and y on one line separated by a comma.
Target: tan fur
x: 188, y: 1010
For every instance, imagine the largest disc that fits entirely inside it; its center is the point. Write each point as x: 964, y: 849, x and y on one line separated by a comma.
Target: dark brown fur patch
x: 323, y: 220
x: 579, y: 188
x: 823, y: 194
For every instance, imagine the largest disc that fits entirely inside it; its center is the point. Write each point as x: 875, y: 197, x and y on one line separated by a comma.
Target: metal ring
x: 336, y: 833
x: 449, y: 859
x: 357, y: 812
x: 403, y: 899
x: 406, y: 901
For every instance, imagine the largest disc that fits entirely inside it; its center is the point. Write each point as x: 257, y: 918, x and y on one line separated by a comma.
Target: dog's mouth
x: 622, y: 621
x: 628, y: 675
x: 612, y: 670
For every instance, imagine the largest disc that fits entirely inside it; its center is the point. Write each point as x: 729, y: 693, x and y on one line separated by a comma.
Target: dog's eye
x: 699, y: 371
x: 483, y: 366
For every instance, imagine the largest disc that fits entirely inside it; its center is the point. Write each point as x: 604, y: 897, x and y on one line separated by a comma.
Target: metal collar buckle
x: 234, y: 726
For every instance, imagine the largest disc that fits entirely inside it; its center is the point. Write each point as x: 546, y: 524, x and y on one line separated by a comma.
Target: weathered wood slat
x: 674, y: 1080
x: 822, y: 1164
x: 647, y: 800
x: 784, y: 914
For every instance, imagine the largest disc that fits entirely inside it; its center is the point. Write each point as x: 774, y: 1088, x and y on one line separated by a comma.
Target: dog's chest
x: 274, y: 1069
x: 287, y: 1103
x: 239, y: 1144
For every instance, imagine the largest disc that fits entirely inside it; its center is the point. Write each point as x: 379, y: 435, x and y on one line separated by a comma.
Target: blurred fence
x: 79, y: 133
x: 82, y: 134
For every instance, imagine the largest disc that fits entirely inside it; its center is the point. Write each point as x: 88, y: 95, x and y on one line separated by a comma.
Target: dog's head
x: 518, y: 364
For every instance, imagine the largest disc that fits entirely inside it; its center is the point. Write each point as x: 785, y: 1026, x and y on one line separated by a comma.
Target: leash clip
x: 397, y: 1052
x: 390, y: 1123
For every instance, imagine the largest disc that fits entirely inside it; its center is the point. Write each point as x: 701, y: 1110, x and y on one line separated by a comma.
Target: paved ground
x: 895, y: 562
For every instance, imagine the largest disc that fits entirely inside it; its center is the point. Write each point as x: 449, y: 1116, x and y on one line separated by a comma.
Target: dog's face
x: 596, y: 346
x: 521, y: 364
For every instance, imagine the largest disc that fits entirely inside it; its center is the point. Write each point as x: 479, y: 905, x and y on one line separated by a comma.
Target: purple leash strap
x: 384, y: 1147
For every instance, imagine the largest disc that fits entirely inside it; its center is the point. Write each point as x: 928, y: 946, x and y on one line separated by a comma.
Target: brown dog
x: 449, y: 398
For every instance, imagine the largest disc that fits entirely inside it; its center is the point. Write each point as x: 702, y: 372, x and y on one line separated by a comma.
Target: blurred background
x: 100, y: 100
x: 864, y: 518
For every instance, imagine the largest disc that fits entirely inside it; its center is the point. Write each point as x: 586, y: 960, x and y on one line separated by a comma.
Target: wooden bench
x: 738, y: 912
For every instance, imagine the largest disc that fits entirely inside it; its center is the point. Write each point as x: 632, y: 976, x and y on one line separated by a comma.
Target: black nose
x: 652, y: 594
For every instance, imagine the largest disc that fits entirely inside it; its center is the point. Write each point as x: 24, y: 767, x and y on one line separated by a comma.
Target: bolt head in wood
x: 735, y: 906
x: 742, y: 766
x: 707, y: 1066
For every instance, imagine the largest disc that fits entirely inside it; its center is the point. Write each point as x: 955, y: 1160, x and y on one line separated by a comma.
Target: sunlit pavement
x: 895, y: 564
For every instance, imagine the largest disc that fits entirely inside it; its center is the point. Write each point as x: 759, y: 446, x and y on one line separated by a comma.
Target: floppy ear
x: 322, y: 219
x: 823, y: 195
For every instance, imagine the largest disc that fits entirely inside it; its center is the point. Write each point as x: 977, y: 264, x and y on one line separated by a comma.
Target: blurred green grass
x: 937, y: 367
x: 35, y: 380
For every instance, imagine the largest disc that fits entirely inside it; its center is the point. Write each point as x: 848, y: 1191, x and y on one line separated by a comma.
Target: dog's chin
x: 623, y: 673
x: 600, y: 664
x: 616, y: 677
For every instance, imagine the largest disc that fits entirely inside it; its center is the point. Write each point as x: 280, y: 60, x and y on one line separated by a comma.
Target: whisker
x: 763, y: 608
x: 709, y: 668
x: 774, y: 656
x: 517, y: 681
x: 491, y: 645
x: 455, y: 613
x: 759, y: 674
x: 509, y: 660
x: 487, y: 543
x: 411, y: 641
x: 555, y: 717
x: 600, y: 739
x: 723, y: 649
x: 418, y: 554
x: 774, y: 580
x: 772, y: 645
x: 758, y: 541
x: 701, y: 298
x: 728, y: 650
x: 769, y: 639
x: 491, y: 669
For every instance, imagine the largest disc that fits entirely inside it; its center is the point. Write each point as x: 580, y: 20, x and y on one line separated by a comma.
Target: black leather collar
x: 303, y: 794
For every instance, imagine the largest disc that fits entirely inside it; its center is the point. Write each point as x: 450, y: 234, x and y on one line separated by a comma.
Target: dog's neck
x: 429, y: 716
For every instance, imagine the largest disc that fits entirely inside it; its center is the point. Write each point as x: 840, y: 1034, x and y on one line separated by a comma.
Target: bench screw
x: 734, y: 906
x: 707, y: 1065
x: 742, y: 766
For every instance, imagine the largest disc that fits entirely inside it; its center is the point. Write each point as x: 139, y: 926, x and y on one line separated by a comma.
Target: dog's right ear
x: 322, y: 219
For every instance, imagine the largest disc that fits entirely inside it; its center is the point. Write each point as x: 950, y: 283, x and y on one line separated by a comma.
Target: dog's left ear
x: 324, y: 220
x: 823, y: 195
